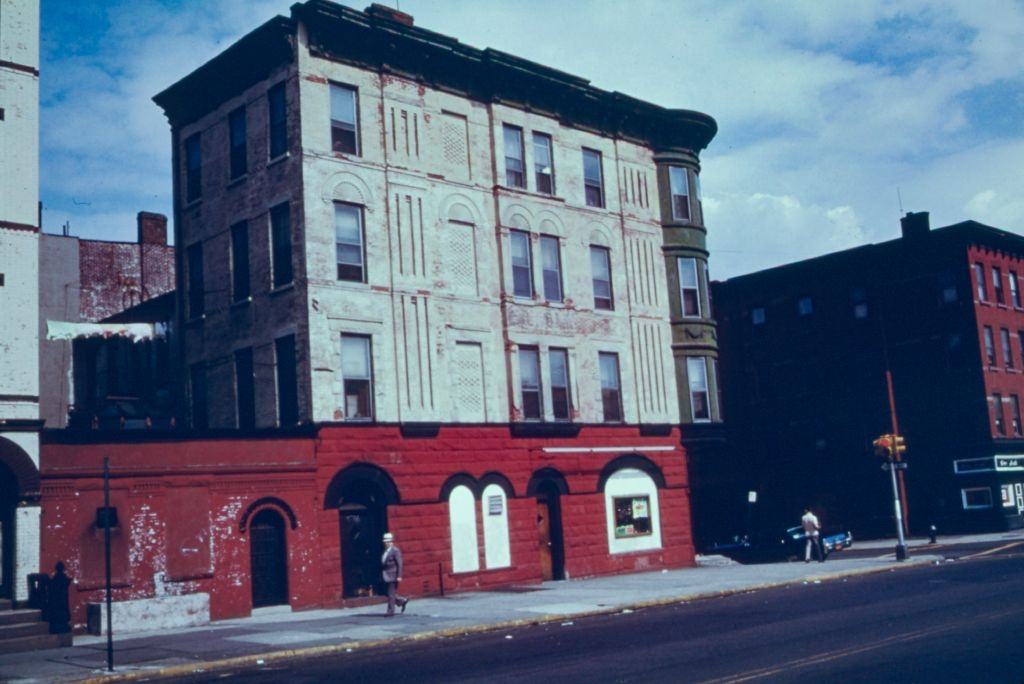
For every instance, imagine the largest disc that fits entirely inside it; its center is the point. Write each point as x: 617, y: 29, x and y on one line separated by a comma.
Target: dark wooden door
x: 544, y: 538
x: 8, y: 499
x: 269, y: 560
x: 361, y: 549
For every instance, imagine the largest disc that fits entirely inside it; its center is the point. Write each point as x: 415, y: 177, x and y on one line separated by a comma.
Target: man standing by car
x: 812, y: 528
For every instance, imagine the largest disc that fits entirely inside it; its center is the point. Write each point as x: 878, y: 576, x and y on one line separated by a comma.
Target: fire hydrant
x: 932, y: 533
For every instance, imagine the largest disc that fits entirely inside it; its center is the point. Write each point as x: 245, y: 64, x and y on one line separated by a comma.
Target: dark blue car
x: 769, y: 547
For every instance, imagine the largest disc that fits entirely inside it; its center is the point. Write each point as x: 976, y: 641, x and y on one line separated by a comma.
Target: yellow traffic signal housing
x: 898, y: 446
x: 883, y: 445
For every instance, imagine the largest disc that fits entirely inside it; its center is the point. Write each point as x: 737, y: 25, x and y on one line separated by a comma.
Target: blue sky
x: 827, y: 111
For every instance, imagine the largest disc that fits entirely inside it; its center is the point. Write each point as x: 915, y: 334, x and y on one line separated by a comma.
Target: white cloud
x: 824, y: 109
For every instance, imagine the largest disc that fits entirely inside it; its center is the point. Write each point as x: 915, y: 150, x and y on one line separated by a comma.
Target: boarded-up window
x: 468, y: 383
x: 461, y: 254
x: 90, y: 541
x: 495, y: 518
x: 188, y: 534
x: 455, y: 145
x: 462, y: 517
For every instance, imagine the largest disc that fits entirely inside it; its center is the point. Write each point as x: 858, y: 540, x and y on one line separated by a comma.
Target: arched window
x: 631, y: 505
x: 462, y: 517
x: 494, y: 511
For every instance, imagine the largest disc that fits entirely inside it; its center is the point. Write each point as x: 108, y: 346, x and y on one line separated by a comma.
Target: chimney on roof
x: 152, y: 228
x: 915, y: 225
x: 390, y: 13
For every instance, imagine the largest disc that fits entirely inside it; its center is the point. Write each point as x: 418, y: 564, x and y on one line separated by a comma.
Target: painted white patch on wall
x: 494, y: 510
x: 26, y: 555
x: 144, y: 615
x: 630, y: 483
x: 462, y: 516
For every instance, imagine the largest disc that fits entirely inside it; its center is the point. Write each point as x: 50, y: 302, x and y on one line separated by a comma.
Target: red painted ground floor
x: 298, y: 519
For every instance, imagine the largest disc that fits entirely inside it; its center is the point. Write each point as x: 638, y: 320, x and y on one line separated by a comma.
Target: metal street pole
x: 896, y: 431
x: 106, y: 556
x: 901, y: 546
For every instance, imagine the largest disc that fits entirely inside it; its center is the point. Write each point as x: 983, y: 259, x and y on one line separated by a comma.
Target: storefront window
x: 632, y: 516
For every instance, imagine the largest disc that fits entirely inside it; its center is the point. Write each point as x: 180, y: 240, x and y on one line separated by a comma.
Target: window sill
x: 346, y: 156
x: 234, y: 182
x: 282, y: 288
x: 241, y: 303
x: 192, y: 204
x: 529, y: 193
x: 195, y: 321
x: 278, y: 159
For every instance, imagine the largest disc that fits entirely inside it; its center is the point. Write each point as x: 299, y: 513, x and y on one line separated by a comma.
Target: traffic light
x: 898, y: 447
x: 883, y: 446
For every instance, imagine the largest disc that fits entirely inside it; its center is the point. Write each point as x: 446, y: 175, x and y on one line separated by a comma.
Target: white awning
x: 136, y: 332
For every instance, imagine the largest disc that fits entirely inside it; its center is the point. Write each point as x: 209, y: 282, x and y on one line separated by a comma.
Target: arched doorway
x: 268, y: 559
x: 548, y: 486
x: 361, y: 493
x: 8, y: 504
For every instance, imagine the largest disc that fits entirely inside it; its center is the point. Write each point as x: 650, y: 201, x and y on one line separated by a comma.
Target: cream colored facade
x: 437, y: 211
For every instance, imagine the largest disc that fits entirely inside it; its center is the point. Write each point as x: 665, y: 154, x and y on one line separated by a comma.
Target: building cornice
x: 375, y: 42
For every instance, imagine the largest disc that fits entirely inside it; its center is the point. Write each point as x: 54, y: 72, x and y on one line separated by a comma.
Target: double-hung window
x: 344, y: 119
x: 197, y: 385
x: 561, y: 404
x: 237, y: 138
x: 979, y: 279
x: 529, y: 383
x: 1014, y: 289
x: 990, y: 346
x: 281, y: 244
x: 543, y: 163
x: 593, y: 179
x: 997, y: 285
x: 515, y: 170
x: 193, y: 168
x: 601, y: 275
x: 522, y: 264
x: 196, y: 288
x: 287, y: 380
x: 240, y: 262
x: 689, y: 288
x: 697, y: 375
x: 357, y: 372
x: 611, y: 394
x: 997, y: 401
x: 1015, y: 414
x: 680, y: 189
x: 551, y: 267
x: 245, y: 388
x: 278, y: 120
x: 348, y: 241
x: 1004, y: 339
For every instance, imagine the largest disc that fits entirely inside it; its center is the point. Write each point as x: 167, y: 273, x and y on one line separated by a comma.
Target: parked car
x: 769, y: 547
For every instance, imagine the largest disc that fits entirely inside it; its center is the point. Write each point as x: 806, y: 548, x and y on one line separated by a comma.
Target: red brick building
x: 806, y: 347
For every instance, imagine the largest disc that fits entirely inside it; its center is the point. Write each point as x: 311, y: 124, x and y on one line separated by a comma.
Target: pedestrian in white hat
x: 391, y: 565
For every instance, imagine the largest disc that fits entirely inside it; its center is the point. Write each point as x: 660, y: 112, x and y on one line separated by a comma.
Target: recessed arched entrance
x: 548, y: 486
x: 19, y: 484
x: 269, y: 559
x: 362, y: 494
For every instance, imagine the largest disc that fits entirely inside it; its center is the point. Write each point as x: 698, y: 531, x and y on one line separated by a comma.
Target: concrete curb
x: 258, y: 659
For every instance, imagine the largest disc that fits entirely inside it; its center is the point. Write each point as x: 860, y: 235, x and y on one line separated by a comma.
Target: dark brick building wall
x: 807, y: 347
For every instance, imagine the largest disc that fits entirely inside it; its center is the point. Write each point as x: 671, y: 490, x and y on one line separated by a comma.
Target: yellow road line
x: 995, y: 550
x: 845, y: 653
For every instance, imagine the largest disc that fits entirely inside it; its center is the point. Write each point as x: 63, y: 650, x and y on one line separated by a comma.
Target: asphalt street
x: 956, y: 621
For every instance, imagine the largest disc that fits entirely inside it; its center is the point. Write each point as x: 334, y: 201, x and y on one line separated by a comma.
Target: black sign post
x: 106, y: 557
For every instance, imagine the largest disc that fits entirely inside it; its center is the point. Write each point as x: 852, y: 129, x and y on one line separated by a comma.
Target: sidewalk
x: 278, y: 632
x: 942, y: 540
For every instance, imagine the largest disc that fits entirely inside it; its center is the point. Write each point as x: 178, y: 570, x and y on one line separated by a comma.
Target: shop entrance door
x: 362, y: 526
x: 549, y: 534
x: 8, y: 503
x: 269, y: 560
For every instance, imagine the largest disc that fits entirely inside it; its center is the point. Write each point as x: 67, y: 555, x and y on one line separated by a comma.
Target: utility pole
x: 905, y: 525
x: 890, y: 447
